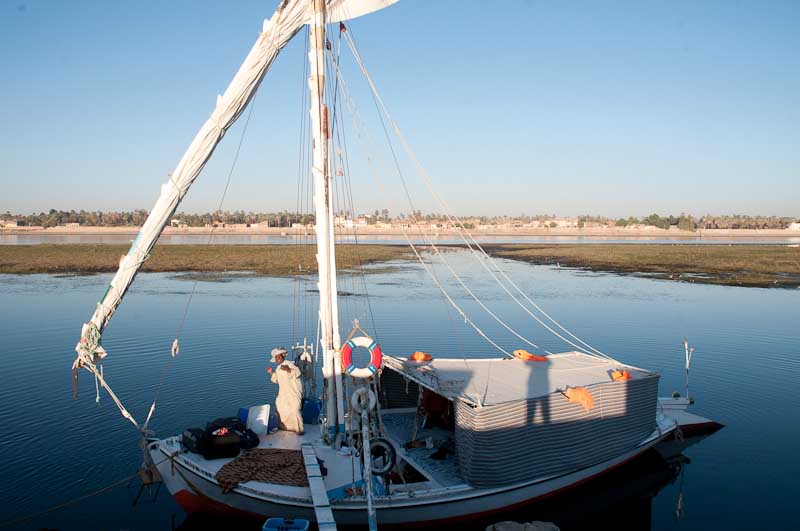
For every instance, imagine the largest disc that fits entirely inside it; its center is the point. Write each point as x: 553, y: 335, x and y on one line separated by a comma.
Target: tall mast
x: 326, y: 258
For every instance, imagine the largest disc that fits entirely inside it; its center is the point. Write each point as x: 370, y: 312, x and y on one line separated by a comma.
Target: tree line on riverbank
x: 135, y: 218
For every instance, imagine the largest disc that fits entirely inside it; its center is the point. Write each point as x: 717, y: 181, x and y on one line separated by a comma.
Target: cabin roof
x: 486, y: 382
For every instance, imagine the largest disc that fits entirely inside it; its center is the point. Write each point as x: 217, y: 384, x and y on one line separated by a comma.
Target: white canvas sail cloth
x: 287, y: 20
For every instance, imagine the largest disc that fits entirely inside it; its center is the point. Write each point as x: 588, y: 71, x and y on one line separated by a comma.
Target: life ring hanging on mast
x: 375, y: 357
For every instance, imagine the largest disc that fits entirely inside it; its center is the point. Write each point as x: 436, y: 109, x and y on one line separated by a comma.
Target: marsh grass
x: 734, y: 265
x: 264, y: 260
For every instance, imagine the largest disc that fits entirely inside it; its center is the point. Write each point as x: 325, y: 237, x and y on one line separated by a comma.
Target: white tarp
x: 496, y: 381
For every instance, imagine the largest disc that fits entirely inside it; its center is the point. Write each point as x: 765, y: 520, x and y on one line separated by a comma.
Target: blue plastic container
x: 243, y: 412
x: 310, y: 410
x: 285, y: 524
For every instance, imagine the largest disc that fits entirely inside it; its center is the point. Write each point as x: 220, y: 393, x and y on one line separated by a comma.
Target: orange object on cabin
x: 524, y: 355
x: 420, y: 356
x: 619, y: 376
x: 580, y: 395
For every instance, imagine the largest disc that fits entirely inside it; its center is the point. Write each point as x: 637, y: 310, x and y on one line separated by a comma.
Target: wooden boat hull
x: 196, y: 493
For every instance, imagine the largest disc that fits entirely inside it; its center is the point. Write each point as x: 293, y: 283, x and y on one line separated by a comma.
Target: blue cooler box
x: 285, y: 524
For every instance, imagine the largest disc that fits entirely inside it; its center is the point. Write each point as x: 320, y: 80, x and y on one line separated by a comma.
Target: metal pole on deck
x: 367, y: 474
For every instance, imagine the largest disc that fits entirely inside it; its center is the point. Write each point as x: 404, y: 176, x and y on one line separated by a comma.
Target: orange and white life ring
x: 375, y: 357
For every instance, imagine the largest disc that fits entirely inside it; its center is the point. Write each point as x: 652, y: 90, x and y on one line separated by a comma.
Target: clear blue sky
x: 611, y: 108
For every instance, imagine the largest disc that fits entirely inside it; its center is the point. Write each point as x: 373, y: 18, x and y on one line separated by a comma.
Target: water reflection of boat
x: 411, y: 440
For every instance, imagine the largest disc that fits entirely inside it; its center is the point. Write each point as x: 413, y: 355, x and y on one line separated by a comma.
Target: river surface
x: 261, y: 239
x: 744, y: 374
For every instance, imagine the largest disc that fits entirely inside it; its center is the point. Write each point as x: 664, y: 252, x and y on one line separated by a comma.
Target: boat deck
x: 399, y: 429
x: 339, y: 472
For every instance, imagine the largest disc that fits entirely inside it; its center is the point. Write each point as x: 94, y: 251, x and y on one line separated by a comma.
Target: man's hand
x: 269, y: 370
x: 285, y: 368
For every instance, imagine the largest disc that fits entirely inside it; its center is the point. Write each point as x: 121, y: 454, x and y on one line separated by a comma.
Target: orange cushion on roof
x: 618, y: 375
x: 420, y: 356
x: 524, y: 355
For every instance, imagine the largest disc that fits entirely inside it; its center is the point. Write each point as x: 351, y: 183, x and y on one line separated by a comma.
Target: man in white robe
x: 290, y: 392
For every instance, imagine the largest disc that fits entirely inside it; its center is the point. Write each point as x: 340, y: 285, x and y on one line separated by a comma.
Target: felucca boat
x: 447, y: 437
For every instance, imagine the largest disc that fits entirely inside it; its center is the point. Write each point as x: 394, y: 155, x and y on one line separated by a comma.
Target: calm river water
x: 744, y: 374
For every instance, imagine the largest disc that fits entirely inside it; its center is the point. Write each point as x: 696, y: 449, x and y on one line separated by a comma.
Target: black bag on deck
x: 219, y: 446
x: 248, y: 439
x: 193, y: 440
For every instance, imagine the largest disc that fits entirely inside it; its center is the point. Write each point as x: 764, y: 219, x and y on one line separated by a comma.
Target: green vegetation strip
x: 267, y: 260
x: 732, y: 265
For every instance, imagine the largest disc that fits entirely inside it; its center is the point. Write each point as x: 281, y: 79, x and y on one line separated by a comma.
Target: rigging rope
x: 427, y: 180
x: 299, y: 310
x: 430, y: 242
x: 179, y: 330
x: 346, y: 188
x: 73, y: 501
x: 419, y: 257
x: 98, y: 374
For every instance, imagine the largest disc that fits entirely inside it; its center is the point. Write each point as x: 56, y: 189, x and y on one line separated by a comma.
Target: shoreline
x: 383, y: 231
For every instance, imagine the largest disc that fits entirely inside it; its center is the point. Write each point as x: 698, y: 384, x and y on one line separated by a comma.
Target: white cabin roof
x: 487, y: 382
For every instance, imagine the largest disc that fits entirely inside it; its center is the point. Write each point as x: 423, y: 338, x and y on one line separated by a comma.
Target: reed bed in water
x: 271, y: 260
x: 734, y: 265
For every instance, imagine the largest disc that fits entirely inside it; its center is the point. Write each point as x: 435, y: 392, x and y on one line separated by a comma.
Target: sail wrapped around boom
x: 277, y: 31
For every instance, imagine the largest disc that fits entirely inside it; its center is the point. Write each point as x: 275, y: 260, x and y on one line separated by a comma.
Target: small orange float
x: 420, y: 356
x: 524, y: 355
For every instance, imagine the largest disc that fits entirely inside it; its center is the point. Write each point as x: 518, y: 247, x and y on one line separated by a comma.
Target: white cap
x: 275, y: 352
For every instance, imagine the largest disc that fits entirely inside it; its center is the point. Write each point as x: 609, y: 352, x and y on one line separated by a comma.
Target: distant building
x: 342, y: 221
x: 794, y: 226
x: 8, y: 224
x: 565, y: 223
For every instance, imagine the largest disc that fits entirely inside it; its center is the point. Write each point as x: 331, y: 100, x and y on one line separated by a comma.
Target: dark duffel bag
x: 193, y: 440
x: 222, y: 445
x: 231, y: 423
x: 249, y: 439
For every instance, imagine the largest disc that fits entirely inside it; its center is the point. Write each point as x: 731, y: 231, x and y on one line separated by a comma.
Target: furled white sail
x: 288, y: 18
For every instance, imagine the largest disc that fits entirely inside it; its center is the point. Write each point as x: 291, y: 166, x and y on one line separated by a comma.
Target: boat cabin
x: 490, y: 422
